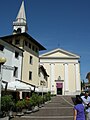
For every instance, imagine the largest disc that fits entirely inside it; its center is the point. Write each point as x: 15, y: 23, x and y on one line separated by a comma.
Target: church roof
x: 27, y: 36
x: 59, y: 53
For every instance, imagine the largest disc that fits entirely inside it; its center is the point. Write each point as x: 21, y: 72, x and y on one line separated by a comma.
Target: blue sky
x: 54, y: 23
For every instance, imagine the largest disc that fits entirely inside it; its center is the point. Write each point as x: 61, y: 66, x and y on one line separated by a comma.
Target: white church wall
x: 66, y: 68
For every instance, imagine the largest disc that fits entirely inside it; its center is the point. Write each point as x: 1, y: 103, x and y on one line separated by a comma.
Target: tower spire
x: 20, y: 25
x: 21, y: 14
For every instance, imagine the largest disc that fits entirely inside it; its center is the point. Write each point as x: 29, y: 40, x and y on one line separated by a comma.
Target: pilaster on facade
x: 66, y: 77
x: 52, y: 74
x: 77, y: 77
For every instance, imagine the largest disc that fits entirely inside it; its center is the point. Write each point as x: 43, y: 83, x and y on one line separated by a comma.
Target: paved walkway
x: 60, y: 108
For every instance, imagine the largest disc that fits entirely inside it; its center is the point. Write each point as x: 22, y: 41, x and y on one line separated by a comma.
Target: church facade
x: 63, y: 68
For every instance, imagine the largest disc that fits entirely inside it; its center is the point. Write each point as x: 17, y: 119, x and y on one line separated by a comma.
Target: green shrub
x: 47, y: 97
x: 40, y: 100
x: 34, y: 99
x: 52, y: 95
x: 20, y: 105
x: 7, y: 103
x: 28, y: 103
x: 44, y: 98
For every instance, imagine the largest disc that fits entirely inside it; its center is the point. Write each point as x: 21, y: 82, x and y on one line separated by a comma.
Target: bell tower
x: 20, y: 24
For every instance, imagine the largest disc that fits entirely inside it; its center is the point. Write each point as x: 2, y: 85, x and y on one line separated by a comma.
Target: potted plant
x: 7, y: 104
x: 28, y: 105
x: 48, y: 96
x: 40, y: 101
x: 34, y: 101
x: 19, y: 106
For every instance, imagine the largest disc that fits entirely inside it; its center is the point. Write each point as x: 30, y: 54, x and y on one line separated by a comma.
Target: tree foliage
x: 7, y: 102
x: 88, y: 76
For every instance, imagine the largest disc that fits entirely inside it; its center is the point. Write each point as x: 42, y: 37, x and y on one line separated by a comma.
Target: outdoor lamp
x: 2, y: 60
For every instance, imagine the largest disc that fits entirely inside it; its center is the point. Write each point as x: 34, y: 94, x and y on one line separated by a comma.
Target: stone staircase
x: 60, y: 108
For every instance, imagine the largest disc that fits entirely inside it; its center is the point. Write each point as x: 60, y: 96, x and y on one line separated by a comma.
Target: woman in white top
x: 86, y: 103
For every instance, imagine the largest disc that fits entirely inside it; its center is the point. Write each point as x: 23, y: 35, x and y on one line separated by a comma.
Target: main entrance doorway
x: 59, y: 91
x: 59, y: 87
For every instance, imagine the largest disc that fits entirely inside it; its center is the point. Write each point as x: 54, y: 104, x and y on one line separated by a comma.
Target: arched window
x: 19, y: 30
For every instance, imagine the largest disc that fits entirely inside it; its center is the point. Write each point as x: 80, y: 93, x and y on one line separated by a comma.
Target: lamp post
x: 42, y: 90
x: 2, y: 61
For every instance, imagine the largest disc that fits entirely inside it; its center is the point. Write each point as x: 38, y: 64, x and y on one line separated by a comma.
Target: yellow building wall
x: 59, y: 71
x: 71, y: 77
x: 30, y: 67
x: 26, y: 66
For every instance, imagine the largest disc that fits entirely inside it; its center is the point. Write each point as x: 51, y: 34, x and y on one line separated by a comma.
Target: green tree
x: 82, y: 85
x: 88, y: 77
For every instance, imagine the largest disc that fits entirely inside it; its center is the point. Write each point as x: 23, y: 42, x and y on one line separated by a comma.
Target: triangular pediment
x: 59, y: 53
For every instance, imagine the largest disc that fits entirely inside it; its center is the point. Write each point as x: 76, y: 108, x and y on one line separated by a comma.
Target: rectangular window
x: 36, y: 50
x: 33, y: 48
x: 30, y: 75
x: 16, y: 55
x: 29, y: 45
x: 15, y: 74
x: 31, y: 60
x: 17, y: 42
x: 26, y: 43
x: 1, y: 47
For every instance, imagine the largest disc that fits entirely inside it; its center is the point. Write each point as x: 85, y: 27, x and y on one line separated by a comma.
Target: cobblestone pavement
x: 60, y: 108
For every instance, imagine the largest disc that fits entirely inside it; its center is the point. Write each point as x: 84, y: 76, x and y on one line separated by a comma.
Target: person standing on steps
x: 86, y: 103
x: 78, y: 109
